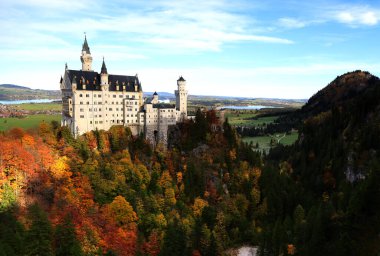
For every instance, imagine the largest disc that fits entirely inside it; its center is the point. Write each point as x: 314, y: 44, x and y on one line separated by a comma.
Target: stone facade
x: 92, y: 100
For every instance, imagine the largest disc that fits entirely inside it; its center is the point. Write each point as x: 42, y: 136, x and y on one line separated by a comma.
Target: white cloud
x: 291, y: 23
x: 357, y: 16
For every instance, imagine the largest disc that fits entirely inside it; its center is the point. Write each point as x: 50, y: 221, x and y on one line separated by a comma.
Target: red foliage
x: 152, y: 246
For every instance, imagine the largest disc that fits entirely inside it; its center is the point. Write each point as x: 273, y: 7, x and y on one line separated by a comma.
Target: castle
x: 92, y: 100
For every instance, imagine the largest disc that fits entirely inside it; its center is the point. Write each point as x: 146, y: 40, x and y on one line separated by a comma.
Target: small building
x: 92, y: 100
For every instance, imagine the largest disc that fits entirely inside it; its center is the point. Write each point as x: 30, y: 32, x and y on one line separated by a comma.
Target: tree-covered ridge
x: 111, y: 193
x: 324, y: 197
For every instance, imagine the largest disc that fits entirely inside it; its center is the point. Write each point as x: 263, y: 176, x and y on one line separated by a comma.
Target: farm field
x: 27, y: 122
x: 39, y: 106
x: 264, y: 141
x: 246, y: 119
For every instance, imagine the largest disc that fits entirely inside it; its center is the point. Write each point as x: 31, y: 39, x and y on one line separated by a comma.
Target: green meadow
x: 27, y: 122
x: 39, y: 106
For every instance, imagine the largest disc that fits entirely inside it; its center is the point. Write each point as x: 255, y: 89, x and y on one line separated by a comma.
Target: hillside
x: 330, y: 177
x: 343, y: 89
x: 15, y: 92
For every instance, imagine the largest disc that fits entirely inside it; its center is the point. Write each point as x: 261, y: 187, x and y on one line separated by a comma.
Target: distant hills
x: 16, y: 92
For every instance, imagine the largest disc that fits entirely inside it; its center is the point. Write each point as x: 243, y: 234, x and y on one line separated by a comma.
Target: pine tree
x: 66, y: 242
x: 38, y: 240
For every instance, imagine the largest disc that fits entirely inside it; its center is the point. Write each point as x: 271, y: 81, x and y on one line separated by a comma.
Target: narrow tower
x: 104, y: 74
x: 86, y: 58
x: 181, y: 98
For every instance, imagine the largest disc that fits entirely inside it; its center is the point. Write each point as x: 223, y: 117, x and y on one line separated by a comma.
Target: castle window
x: 82, y: 116
x: 110, y: 109
x: 88, y: 102
x: 100, y: 122
x: 94, y: 95
x: 96, y: 122
x: 100, y: 109
x: 99, y: 95
x: 120, y: 96
x: 87, y: 95
x: 136, y: 103
x: 90, y: 122
x: 100, y: 115
x: 81, y: 110
x: 81, y: 102
x: 114, y: 96
x: 80, y: 95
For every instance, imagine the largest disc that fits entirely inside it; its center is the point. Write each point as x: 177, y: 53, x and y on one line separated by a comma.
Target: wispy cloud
x: 356, y: 16
x: 291, y: 23
x: 173, y: 26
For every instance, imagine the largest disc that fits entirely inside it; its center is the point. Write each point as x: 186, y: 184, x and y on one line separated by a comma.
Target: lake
x: 12, y: 102
x: 249, y: 107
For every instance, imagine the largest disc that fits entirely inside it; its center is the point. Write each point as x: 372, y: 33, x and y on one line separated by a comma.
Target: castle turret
x: 155, y: 98
x: 181, y: 97
x: 104, y: 74
x: 86, y: 57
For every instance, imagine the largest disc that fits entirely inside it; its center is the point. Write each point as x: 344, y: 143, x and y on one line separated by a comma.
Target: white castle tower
x: 181, y: 97
x: 86, y: 57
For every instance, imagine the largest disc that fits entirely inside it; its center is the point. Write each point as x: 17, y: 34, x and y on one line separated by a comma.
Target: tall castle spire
x: 86, y: 58
x: 104, y: 76
x: 104, y: 68
x: 85, y: 47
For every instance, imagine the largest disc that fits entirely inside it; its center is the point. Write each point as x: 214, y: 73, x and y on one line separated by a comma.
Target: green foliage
x: 66, y: 242
x: 7, y: 197
x: 39, y: 235
x: 12, y: 235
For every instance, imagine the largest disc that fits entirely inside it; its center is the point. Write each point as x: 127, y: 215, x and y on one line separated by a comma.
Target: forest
x: 111, y: 193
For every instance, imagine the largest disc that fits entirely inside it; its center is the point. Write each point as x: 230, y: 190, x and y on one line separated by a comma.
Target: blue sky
x: 282, y: 49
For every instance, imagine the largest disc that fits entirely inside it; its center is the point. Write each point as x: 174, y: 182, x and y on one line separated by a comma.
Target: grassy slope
x: 27, y: 122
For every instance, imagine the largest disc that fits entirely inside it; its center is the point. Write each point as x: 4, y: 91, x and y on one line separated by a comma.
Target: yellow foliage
x: 60, y: 168
x: 165, y: 180
x: 170, y: 197
x: 198, y: 206
x: 161, y: 221
x: 121, y: 210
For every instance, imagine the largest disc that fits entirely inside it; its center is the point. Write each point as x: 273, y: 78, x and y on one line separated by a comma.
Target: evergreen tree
x: 66, y: 242
x: 38, y: 238
x: 174, y: 241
